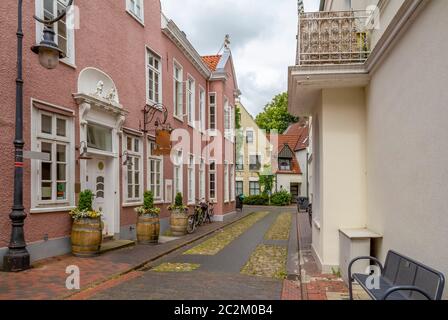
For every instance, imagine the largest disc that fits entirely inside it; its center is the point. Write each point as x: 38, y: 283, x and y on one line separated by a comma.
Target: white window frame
x: 202, y: 180
x: 232, y: 182
x: 37, y: 137
x: 158, y: 198
x: 226, y: 182
x: 132, y: 154
x: 131, y: 8
x: 190, y: 89
x: 178, y: 102
x: 178, y: 181
x: 70, y: 54
x: 202, y: 106
x: 191, y: 169
x: 149, y: 67
x: 214, y: 113
x: 214, y: 172
x: 259, y: 189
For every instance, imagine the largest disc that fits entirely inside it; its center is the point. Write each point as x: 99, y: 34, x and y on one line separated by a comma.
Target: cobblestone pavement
x: 219, y: 276
x: 47, y: 279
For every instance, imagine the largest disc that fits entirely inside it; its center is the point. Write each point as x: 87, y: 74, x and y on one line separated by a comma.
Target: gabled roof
x: 302, y: 134
x: 212, y: 61
x: 289, y: 142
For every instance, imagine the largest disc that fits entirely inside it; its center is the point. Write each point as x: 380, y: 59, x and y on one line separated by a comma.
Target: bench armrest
x: 405, y: 288
x: 378, y: 262
x: 350, y: 278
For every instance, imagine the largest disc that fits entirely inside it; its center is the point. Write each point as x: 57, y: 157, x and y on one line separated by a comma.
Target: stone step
x: 115, y: 245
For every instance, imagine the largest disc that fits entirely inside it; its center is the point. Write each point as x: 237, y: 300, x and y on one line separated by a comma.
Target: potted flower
x: 179, y: 217
x: 148, y: 224
x: 87, y: 228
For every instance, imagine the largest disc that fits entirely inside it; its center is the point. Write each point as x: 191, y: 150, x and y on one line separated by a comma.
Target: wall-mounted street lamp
x: 125, y: 156
x: 18, y: 258
x: 83, y: 151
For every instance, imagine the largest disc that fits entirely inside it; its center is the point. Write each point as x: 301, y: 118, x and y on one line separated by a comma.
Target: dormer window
x: 284, y: 164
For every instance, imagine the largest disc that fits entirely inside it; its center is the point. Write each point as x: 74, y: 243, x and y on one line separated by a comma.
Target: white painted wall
x: 285, y: 180
x: 343, y: 168
x: 408, y: 142
x: 302, y: 159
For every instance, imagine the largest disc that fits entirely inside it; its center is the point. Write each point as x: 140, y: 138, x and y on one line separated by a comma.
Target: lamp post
x: 17, y: 258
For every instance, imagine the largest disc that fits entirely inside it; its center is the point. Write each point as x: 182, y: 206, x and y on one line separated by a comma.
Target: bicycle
x: 198, y: 217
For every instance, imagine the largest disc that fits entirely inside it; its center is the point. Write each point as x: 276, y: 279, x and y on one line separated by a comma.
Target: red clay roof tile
x: 212, y: 61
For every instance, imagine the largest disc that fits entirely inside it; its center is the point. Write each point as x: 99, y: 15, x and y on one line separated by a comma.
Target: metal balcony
x: 341, y: 37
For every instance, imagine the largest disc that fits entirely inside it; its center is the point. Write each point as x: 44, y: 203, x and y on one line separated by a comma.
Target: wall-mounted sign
x: 163, y: 143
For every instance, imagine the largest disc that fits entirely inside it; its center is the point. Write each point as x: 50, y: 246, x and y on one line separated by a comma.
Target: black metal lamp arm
x: 53, y: 21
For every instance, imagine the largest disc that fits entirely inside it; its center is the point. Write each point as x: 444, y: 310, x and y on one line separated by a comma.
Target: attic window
x: 284, y: 164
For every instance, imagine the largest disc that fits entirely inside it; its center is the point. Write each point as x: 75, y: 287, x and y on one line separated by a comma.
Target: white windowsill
x: 178, y: 118
x: 212, y: 132
x: 52, y: 209
x: 68, y: 63
x: 139, y: 20
x: 131, y: 204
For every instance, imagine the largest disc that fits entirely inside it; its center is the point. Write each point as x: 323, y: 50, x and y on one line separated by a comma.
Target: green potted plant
x: 148, y: 224
x: 179, y: 217
x: 87, y: 228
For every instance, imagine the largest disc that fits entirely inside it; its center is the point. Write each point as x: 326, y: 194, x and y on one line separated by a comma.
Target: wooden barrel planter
x: 178, y: 222
x: 86, y: 237
x: 148, y: 229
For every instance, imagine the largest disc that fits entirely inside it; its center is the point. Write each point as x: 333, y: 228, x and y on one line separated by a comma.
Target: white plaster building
x: 378, y: 102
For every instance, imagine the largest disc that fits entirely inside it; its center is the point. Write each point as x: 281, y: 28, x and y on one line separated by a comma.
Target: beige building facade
x: 377, y: 103
x: 253, y: 152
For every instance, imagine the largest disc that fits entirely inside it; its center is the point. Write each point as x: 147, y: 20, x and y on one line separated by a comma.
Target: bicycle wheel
x: 191, y: 224
x: 211, y: 213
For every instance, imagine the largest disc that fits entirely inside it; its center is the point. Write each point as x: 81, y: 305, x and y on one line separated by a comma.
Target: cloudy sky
x: 263, y: 36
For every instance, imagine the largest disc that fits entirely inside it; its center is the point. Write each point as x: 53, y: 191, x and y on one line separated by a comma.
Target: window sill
x: 212, y: 132
x: 178, y: 118
x: 140, y: 21
x: 159, y: 202
x: 52, y: 209
x: 131, y: 204
x: 68, y: 63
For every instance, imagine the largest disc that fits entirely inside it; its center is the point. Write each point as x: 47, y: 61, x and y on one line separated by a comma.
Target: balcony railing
x: 340, y: 37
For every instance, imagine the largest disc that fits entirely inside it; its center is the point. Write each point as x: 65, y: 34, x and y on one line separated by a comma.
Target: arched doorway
x: 100, y: 121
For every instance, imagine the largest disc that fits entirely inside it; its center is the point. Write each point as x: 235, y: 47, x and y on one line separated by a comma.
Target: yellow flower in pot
x: 87, y: 228
x: 179, y: 217
x: 148, y: 224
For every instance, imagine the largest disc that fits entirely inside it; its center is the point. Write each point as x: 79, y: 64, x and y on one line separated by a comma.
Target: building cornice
x: 170, y: 29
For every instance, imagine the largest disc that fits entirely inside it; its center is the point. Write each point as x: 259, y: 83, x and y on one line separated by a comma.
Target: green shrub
x: 85, y: 200
x: 148, y: 202
x: 281, y: 198
x: 257, y: 200
x: 178, y: 202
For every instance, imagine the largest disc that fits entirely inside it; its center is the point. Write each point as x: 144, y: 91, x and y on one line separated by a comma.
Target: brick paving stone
x: 46, y: 280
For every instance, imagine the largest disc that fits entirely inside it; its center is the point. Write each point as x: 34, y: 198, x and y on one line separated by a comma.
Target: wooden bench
x: 401, y: 278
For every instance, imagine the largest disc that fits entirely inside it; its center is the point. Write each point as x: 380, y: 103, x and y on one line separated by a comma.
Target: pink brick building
x: 87, y: 115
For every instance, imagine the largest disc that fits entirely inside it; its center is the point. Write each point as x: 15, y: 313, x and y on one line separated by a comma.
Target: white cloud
x: 263, y: 35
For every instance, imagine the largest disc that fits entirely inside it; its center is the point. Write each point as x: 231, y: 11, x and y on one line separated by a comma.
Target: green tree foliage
x: 85, y: 200
x: 266, y: 179
x: 275, y: 115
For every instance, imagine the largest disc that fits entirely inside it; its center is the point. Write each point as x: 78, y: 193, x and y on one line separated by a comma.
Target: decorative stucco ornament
x: 99, y: 88
x: 112, y: 95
